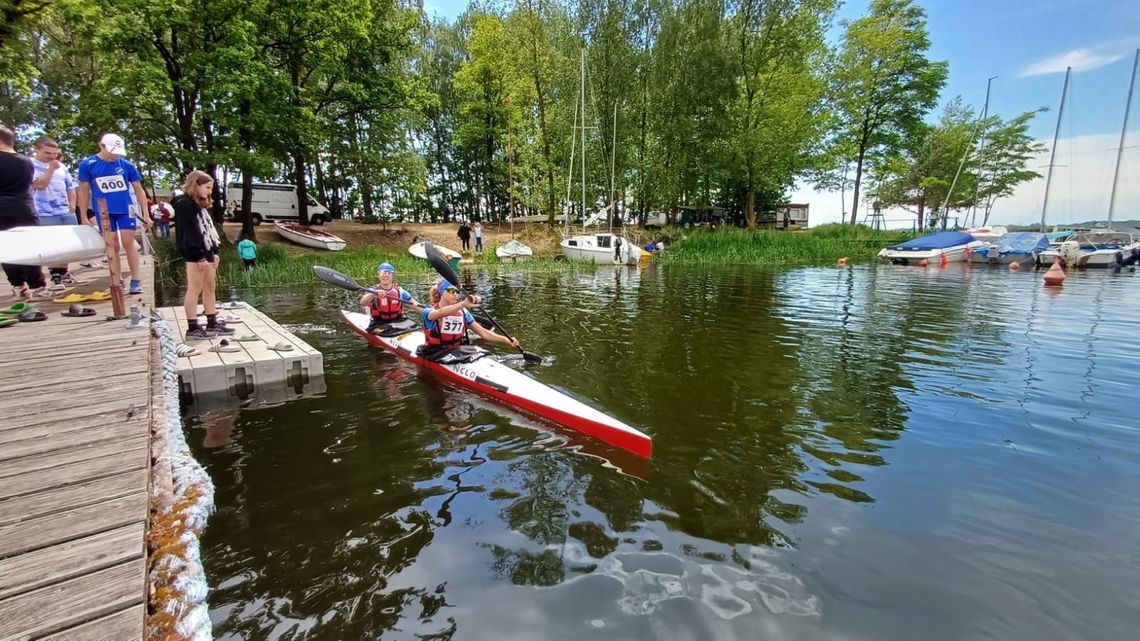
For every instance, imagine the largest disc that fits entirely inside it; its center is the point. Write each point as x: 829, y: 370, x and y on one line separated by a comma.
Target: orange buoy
x: 1055, y: 277
x: 1015, y: 266
x: 842, y: 262
x: 922, y: 263
x: 942, y: 260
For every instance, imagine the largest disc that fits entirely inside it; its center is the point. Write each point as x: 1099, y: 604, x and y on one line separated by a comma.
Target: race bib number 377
x: 111, y: 184
x: 452, y: 325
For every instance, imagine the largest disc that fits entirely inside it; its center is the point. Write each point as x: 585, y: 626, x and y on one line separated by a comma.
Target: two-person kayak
x: 490, y: 377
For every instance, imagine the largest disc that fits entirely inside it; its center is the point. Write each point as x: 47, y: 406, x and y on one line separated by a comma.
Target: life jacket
x: 387, y: 306
x: 449, y: 331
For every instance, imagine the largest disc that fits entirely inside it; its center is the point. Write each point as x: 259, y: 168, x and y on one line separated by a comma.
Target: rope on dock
x: 179, y: 589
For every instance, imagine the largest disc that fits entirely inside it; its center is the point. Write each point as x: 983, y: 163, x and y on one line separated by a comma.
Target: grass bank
x: 277, y: 267
x: 824, y: 244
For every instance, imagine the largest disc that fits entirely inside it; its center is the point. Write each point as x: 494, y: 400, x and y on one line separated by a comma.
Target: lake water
x: 875, y: 453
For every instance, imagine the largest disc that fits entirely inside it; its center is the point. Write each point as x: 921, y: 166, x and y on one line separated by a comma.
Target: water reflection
x: 839, y: 453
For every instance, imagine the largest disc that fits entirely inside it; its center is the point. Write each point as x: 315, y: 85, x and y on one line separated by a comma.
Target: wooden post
x: 118, y: 303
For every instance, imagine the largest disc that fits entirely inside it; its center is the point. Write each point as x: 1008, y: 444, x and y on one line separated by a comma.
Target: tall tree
x: 883, y: 84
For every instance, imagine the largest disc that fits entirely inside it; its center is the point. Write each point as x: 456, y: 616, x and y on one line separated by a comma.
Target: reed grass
x: 824, y: 244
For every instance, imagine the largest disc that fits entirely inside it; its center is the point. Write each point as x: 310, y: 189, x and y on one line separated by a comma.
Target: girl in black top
x: 15, y: 211
x: 198, y: 242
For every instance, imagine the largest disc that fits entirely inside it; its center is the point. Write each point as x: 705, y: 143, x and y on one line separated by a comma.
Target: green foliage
x: 883, y: 84
x: 762, y: 247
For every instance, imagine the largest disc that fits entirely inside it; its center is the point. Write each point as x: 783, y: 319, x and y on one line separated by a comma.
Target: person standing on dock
x: 198, y: 242
x: 16, y: 210
x: 109, y: 176
x: 54, y: 196
x: 386, y: 304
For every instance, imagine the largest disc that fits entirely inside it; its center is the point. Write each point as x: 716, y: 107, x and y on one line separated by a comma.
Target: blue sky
x: 1027, y: 46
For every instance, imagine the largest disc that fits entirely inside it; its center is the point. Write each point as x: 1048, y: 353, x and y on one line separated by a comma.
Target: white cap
x: 114, y: 144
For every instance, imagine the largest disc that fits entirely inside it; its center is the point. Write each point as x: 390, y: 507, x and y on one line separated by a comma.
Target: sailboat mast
x: 981, y: 147
x: 613, y: 165
x: 1053, y: 152
x: 1120, y: 149
x: 510, y: 171
x: 582, y: 99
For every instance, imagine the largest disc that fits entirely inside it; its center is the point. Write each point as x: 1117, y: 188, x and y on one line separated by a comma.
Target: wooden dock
x: 75, y: 404
x: 254, y: 372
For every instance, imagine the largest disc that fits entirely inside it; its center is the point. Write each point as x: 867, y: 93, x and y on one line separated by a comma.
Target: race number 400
x: 109, y: 184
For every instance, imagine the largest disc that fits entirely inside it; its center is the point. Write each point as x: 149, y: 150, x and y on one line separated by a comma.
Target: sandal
x: 230, y: 318
x: 32, y: 315
x: 72, y: 298
x: 15, y: 308
x: 248, y: 338
x: 77, y: 311
x: 225, y: 346
x: 184, y: 350
x: 8, y: 322
x: 281, y: 347
x: 99, y: 296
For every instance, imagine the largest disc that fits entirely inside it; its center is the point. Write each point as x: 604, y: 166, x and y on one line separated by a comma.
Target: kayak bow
x: 492, y: 378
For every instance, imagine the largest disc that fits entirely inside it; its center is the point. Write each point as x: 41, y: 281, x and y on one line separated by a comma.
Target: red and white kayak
x: 491, y: 377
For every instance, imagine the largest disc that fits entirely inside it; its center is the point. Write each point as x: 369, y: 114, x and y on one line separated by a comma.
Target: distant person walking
x: 478, y: 237
x: 109, y: 176
x: 54, y: 196
x: 464, y: 235
x: 16, y: 210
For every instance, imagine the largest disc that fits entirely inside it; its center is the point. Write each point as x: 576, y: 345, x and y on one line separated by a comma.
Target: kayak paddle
x: 344, y: 281
x: 444, y: 268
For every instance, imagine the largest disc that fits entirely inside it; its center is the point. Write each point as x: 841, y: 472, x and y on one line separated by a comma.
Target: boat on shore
x: 452, y: 256
x: 309, y: 237
x: 514, y: 251
x: 491, y: 378
x: 941, y: 247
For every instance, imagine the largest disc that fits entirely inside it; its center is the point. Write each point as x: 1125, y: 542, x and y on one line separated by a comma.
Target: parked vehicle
x: 275, y: 201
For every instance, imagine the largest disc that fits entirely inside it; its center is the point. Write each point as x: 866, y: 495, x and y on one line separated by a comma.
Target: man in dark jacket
x: 16, y: 174
x: 465, y: 235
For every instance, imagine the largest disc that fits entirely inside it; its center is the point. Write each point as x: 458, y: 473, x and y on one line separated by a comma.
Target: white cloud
x: 1078, y: 59
x: 1082, y: 183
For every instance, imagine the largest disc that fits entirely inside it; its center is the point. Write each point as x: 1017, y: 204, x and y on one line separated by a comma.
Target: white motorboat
x: 1104, y: 248
x: 941, y: 247
x: 309, y: 237
x: 514, y: 251
x: 603, y: 248
x: 1022, y: 247
x: 988, y: 235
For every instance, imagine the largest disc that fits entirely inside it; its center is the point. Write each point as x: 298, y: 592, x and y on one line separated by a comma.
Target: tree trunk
x: 245, y: 134
x: 858, y: 180
x: 302, y: 190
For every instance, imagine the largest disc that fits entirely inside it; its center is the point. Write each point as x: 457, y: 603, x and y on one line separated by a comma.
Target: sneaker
x: 136, y: 287
x: 20, y: 292
x: 221, y: 330
x: 68, y: 279
x: 57, y: 284
x: 41, y: 293
x: 198, y: 333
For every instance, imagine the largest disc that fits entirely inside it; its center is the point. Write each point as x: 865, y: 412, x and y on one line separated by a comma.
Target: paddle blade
x: 440, y: 263
x: 531, y: 357
x: 333, y: 277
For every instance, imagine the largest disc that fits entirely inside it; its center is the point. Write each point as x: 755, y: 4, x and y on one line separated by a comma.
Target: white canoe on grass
x: 309, y: 237
x: 514, y: 251
x: 53, y: 245
x: 452, y: 256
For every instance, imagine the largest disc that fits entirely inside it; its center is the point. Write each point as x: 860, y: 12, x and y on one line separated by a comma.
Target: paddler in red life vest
x: 446, y: 321
x: 386, y: 306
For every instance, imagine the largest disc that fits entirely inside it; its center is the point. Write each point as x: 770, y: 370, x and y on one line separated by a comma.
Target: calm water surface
x: 880, y: 453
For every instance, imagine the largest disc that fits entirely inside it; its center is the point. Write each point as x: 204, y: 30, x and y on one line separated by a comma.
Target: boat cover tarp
x: 940, y: 240
x: 1022, y: 242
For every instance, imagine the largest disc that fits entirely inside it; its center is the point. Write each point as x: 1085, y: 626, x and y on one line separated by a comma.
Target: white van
x: 275, y: 201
